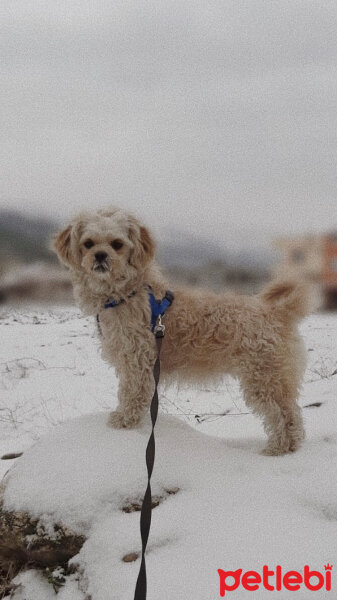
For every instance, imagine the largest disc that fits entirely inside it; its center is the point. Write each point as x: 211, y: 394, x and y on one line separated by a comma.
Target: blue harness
x: 113, y: 303
x: 158, y: 307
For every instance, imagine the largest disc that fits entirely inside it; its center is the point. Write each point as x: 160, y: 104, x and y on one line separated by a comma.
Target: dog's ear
x: 143, y: 245
x: 62, y: 245
x: 147, y: 243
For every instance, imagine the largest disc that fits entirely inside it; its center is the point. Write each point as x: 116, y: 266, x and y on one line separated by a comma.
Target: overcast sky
x: 219, y: 117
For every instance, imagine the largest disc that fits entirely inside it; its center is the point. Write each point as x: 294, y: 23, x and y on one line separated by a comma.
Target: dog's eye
x: 88, y: 244
x: 117, y: 244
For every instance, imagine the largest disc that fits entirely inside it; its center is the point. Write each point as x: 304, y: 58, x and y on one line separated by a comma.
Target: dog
x: 255, y: 339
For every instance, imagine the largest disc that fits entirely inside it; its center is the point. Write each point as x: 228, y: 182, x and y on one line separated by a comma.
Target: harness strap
x: 158, y: 308
x: 113, y: 303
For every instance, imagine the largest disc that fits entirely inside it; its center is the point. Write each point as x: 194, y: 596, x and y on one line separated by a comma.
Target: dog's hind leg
x: 275, y: 400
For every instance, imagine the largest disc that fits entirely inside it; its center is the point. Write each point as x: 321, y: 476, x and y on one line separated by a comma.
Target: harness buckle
x: 159, y: 329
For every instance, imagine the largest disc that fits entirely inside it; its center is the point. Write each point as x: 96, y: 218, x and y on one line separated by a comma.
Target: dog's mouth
x: 100, y: 267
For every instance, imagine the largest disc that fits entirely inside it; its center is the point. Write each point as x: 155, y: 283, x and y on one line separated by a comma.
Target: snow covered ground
x: 235, y: 509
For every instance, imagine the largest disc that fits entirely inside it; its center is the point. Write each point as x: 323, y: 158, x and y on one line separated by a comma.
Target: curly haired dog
x: 111, y: 257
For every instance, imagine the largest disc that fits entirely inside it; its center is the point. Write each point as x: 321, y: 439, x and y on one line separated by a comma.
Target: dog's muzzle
x: 101, y: 264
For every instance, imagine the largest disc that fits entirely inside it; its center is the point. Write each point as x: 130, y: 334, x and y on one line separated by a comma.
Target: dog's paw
x: 118, y: 420
x: 273, y: 451
x: 279, y: 450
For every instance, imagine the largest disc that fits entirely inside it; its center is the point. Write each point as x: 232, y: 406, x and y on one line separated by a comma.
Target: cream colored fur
x: 207, y: 335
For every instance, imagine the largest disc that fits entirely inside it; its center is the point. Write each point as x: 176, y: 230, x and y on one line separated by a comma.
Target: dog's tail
x: 292, y: 300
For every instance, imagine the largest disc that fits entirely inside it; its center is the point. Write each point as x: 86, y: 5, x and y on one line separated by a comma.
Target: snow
x: 234, y: 509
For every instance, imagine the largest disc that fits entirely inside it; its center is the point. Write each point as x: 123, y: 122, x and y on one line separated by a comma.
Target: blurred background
x: 215, y: 123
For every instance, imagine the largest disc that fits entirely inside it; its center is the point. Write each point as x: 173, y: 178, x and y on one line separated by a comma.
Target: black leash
x: 158, y: 309
x: 146, y: 512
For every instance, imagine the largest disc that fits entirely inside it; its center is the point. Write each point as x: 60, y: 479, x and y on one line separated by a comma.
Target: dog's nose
x: 101, y: 256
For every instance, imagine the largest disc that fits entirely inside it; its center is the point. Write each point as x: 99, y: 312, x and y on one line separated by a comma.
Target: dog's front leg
x: 136, y: 388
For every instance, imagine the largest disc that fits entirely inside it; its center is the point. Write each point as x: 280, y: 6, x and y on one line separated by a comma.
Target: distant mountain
x: 182, y: 249
x: 255, y: 258
x: 34, y: 227
x: 24, y: 237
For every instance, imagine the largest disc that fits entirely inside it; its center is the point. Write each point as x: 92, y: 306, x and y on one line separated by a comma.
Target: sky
x: 217, y: 118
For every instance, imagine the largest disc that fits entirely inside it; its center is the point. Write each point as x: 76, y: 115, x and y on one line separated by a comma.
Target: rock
x: 6, y: 576
x: 24, y: 539
x: 130, y: 557
x: 155, y: 501
x: 137, y: 506
x: 11, y: 456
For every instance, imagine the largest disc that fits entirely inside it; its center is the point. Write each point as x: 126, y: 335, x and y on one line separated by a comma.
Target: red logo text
x: 275, y: 579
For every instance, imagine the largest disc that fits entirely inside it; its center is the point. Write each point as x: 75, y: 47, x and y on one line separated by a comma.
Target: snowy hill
x: 235, y: 509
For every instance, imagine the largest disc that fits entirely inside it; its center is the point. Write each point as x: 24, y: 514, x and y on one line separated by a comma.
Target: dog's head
x: 107, y: 244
